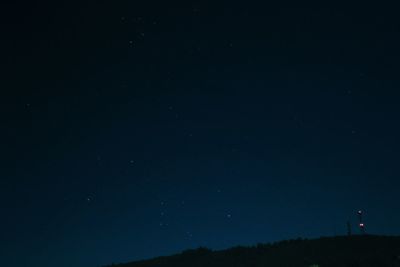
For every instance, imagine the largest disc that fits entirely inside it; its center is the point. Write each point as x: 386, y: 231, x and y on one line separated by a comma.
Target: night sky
x: 134, y: 129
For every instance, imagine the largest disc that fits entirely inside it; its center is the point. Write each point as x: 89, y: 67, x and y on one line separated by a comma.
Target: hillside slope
x: 354, y: 251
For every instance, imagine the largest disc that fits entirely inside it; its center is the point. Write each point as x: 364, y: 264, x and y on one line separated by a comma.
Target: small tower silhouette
x: 348, y: 228
x: 360, y: 222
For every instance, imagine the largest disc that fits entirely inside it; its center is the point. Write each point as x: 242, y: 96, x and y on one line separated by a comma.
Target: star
x: 189, y: 234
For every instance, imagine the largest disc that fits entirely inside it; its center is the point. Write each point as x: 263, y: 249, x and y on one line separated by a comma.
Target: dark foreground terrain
x: 368, y: 250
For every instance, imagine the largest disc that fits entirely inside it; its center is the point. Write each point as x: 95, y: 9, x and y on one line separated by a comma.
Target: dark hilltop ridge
x: 348, y: 251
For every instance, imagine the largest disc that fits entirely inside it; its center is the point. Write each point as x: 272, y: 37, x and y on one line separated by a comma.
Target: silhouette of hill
x: 352, y: 251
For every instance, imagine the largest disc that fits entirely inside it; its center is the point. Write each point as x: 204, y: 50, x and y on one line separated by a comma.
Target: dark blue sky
x: 136, y: 130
